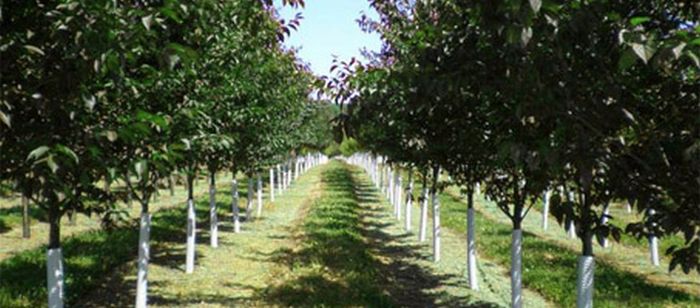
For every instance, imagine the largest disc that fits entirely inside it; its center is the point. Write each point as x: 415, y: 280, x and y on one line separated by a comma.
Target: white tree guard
x: 249, y: 200
x: 234, y: 206
x: 436, y: 227
x: 571, y: 229
x: 471, y: 251
x: 191, y: 236
x: 213, y: 219
x: 423, y: 227
x: 653, y: 245
x: 654, y: 250
x: 382, y: 179
x: 289, y: 175
x: 272, y: 185
x: 545, y: 209
x: 144, y: 256
x: 279, y: 179
x: 516, y: 257
x: 390, y: 188
x: 260, y: 195
x: 584, y: 284
x: 398, y: 190
x: 54, y: 277
x: 409, y: 203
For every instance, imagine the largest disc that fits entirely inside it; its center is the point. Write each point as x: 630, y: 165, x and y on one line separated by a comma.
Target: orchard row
x: 586, y: 103
x: 130, y: 92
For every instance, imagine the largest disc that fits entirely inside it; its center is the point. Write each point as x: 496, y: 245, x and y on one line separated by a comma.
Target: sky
x: 329, y: 28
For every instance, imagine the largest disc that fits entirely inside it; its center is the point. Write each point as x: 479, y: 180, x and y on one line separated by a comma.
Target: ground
x: 330, y: 240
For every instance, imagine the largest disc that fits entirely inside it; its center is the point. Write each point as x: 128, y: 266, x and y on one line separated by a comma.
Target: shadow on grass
x: 11, y: 217
x: 339, y: 261
x: 551, y: 269
x: 91, y: 256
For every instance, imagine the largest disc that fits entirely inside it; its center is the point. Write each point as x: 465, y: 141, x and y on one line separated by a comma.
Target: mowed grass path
x: 235, y: 273
x: 349, y: 252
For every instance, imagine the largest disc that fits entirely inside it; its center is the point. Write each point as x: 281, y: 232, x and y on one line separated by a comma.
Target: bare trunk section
x: 26, y: 223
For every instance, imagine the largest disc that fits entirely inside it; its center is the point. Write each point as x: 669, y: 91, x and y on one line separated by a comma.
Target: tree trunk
x: 436, y: 216
x: 398, y: 190
x: 144, y: 256
x: 545, y: 209
x: 26, y: 223
x: 653, y: 244
x: 423, y: 228
x: 516, y: 257
x: 471, y: 243
x: 586, y: 269
x: 390, y: 188
x: 171, y: 185
x: 234, y: 205
x: 409, y: 202
x: 213, y: 219
x: 191, y: 228
x: 249, y: 200
x: 54, y: 260
x: 604, y: 221
x: 571, y: 227
x: 129, y: 193
x: 279, y: 179
x: 272, y: 185
x: 260, y: 196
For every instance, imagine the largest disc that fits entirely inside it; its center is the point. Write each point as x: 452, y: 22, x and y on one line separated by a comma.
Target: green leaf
x: 536, y: 5
x: 68, y: 152
x: 141, y: 167
x: 642, y: 51
x: 695, y: 42
x: 34, y: 49
x: 147, y: 21
x: 38, y: 152
x: 5, y: 119
x: 111, y: 135
x: 627, y: 60
x: 170, y: 13
x: 51, y: 163
x: 90, y: 102
x: 635, y: 21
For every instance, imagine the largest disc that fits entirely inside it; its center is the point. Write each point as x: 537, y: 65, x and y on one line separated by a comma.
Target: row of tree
x: 133, y: 91
x: 600, y: 98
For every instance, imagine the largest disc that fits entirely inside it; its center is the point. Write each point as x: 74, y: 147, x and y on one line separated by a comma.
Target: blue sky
x: 329, y: 28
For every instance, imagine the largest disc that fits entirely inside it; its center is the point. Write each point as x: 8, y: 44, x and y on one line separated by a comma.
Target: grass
x: 551, y: 269
x: 90, y: 255
x: 237, y: 273
x: 333, y: 267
